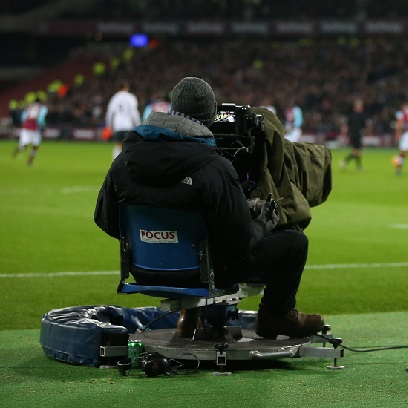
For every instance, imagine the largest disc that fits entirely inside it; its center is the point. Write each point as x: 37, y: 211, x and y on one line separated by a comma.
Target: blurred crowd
x: 239, y: 10
x: 323, y: 77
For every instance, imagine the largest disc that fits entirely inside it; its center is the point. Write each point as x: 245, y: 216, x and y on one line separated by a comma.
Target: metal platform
x: 248, y: 348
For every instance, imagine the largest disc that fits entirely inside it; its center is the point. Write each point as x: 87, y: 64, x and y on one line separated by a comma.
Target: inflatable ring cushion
x: 74, y: 334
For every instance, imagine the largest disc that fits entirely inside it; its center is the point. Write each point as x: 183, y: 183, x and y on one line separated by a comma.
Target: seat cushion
x: 183, y: 278
x: 162, y: 291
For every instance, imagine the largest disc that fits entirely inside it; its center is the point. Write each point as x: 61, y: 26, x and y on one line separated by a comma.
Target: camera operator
x: 172, y: 161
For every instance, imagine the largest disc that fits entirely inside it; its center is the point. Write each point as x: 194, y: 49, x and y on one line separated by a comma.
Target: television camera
x: 240, y: 135
x: 236, y: 120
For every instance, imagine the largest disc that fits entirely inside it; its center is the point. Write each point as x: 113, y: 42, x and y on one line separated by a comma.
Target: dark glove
x: 255, y: 206
x: 269, y: 215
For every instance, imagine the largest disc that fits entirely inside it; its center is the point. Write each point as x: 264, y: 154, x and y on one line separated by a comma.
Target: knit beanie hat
x: 194, y: 97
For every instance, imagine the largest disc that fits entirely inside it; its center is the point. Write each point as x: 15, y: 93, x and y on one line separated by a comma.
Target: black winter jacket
x: 163, y: 167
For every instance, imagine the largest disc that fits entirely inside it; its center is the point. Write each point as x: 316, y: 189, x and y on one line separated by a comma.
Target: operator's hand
x: 269, y: 214
x: 273, y: 222
x: 255, y: 206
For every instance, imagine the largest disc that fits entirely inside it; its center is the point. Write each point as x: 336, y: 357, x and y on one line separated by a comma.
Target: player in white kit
x: 122, y: 115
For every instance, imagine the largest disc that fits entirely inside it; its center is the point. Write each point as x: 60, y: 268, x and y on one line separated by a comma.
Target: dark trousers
x: 278, y: 261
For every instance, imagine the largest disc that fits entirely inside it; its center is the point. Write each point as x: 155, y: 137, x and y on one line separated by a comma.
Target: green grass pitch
x: 358, y: 259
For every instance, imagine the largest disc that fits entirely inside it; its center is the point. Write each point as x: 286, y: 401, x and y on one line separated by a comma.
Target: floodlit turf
x: 356, y: 272
x: 369, y: 380
x: 358, y: 262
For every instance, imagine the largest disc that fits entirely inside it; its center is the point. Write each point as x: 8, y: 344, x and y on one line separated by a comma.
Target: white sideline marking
x: 356, y: 265
x: 78, y: 189
x: 399, y: 226
x: 321, y: 267
x: 62, y: 190
x: 55, y: 274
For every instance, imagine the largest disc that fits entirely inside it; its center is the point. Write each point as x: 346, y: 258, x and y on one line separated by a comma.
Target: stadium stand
x: 323, y: 73
x: 64, y: 72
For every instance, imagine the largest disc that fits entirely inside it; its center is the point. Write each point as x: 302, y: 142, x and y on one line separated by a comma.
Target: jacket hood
x: 167, y: 149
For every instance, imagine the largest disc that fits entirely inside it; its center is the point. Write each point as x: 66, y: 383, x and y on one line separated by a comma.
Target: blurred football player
x: 157, y: 105
x: 293, y: 123
x: 401, y: 136
x: 32, y: 124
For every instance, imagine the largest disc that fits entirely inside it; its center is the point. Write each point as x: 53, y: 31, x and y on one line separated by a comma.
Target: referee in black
x: 354, y: 127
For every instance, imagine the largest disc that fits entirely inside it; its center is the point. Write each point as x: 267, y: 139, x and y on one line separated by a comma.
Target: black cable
x: 189, y: 354
x: 143, y: 328
x: 373, y: 349
x: 154, y: 364
x: 336, y: 342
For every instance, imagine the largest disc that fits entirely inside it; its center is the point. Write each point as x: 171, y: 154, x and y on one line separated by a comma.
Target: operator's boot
x: 188, y: 321
x: 294, y: 324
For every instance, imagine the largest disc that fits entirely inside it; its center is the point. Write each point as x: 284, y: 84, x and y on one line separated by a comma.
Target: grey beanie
x: 194, y: 97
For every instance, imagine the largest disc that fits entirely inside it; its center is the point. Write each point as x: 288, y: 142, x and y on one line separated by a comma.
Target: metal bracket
x: 113, y: 351
x: 221, y: 358
x: 270, y: 355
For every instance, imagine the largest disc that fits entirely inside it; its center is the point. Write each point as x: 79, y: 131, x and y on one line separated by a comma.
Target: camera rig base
x: 248, y: 347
